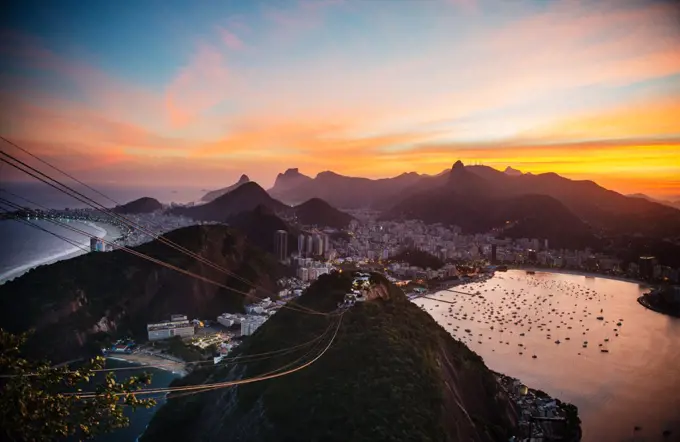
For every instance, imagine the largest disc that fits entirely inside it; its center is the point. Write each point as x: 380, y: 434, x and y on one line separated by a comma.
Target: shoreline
x: 157, y: 362
x: 643, y: 302
x: 106, y: 231
x: 585, y: 274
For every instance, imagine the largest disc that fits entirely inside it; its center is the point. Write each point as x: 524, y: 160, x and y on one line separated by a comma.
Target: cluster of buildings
x: 157, y: 223
x: 361, y: 284
x: 315, y: 244
x: 540, y: 416
x: 178, y: 325
x: 256, y: 315
x: 248, y: 323
x: 309, y: 269
x: 371, y: 240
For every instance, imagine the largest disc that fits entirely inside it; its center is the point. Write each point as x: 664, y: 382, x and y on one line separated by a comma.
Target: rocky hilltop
x: 75, y: 304
x: 141, y: 205
x: 214, y: 194
x: 392, y: 373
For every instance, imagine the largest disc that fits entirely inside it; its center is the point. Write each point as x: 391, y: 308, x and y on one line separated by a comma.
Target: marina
x: 545, y: 329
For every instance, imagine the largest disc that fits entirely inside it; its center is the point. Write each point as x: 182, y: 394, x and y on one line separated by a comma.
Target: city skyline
x: 177, y: 94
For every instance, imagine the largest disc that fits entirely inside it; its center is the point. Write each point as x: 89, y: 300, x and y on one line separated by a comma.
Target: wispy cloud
x: 202, y: 84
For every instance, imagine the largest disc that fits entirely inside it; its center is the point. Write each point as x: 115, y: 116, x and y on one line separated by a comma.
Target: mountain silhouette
x: 245, y: 197
x: 210, y: 196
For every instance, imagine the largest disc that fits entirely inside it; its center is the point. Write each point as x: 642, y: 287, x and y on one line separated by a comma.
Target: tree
x: 40, y: 402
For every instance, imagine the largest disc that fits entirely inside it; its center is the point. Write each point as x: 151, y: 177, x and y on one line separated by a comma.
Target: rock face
x: 141, y: 205
x: 210, y: 196
x: 287, y: 181
x: 391, y: 373
x: 73, y: 304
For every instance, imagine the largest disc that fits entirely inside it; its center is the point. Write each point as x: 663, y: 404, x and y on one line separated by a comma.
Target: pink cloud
x: 465, y: 5
x: 200, y: 85
x: 230, y: 40
x: 304, y: 16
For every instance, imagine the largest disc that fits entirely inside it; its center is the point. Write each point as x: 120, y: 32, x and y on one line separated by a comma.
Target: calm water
x: 140, y: 418
x: 24, y: 247
x: 636, y: 383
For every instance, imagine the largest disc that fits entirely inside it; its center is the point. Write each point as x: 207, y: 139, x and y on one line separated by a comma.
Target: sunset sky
x: 195, y: 93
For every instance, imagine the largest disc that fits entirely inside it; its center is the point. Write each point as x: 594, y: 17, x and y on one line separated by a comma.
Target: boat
x: 531, y: 272
x: 600, y: 318
x: 604, y: 350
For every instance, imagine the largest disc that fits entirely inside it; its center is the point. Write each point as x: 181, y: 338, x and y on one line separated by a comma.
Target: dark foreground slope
x: 392, y: 373
x: 73, y: 304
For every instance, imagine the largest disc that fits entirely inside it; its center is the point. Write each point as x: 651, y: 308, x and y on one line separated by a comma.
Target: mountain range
x: 247, y: 196
x: 479, y: 198
x: 675, y: 204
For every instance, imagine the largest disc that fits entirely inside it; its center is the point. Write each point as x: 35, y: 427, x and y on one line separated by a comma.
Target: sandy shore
x: 152, y: 361
x: 105, y: 231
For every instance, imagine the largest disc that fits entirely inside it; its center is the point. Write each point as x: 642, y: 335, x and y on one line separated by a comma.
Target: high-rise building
x: 310, y: 245
x: 301, y: 244
x: 281, y: 244
x: 647, y: 267
x: 318, y: 245
x: 326, y: 243
x: 494, y: 253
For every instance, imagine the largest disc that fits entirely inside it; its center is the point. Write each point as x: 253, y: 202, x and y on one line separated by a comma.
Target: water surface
x: 637, y: 383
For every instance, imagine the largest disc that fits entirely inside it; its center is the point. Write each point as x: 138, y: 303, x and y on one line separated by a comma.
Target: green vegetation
x: 418, y: 258
x: 389, y: 375
x: 72, y: 302
x: 35, y: 405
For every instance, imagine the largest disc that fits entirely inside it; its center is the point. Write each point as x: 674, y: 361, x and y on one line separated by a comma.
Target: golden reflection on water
x: 637, y: 383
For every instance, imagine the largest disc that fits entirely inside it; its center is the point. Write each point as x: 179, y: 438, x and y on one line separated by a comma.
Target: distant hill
x: 260, y: 226
x: 391, y: 374
x: 286, y: 182
x: 526, y: 216
x: 77, y: 304
x: 674, y: 204
x: 141, y: 205
x: 318, y: 212
x: 512, y: 172
x: 244, y: 198
x: 210, y: 196
x: 603, y: 212
x: 345, y: 192
x: 478, y: 197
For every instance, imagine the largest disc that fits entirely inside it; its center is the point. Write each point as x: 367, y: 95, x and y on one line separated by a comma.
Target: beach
x: 155, y: 361
x: 105, y: 231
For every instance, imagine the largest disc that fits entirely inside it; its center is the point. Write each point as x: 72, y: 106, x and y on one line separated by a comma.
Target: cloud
x: 298, y: 17
x: 230, y: 39
x: 202, y: 84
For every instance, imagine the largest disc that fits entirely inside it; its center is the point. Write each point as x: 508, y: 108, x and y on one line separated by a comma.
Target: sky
x: 184, y: 93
